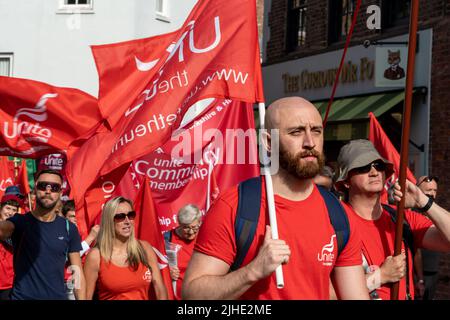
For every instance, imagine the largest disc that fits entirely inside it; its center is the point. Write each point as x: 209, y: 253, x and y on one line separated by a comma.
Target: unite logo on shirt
x: 147, y: 275
x: 326, y: 256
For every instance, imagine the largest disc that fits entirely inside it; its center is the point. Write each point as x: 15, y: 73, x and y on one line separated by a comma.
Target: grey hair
x: 188, y: 214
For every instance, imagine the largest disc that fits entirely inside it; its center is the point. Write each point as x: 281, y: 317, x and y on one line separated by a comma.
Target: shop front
x: 372, y: 80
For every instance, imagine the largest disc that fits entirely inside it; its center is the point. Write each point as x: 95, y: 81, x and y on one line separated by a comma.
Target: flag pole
x: 414, y: 17
x: 29, y: 201
x: 208, y: 193
x: 270, y: 198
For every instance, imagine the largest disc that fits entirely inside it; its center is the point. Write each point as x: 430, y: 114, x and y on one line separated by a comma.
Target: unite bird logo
x: 39, y: 112
x: 326, y: 256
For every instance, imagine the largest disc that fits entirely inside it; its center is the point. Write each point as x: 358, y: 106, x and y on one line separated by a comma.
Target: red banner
x: 22, y: 179
x: 213, y: 152
x: 147, y: 228
x: 119, y: 68
x: 215, y: 54
x: 386, y: 149
x: 6, y: 174
x: 38, y: 119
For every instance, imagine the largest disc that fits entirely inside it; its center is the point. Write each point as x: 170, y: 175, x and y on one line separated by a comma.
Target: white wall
x: 52, y: 47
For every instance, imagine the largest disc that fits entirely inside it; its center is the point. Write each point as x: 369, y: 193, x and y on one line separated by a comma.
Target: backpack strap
x: 408, y: 237
x: 247, y: 217
x: 338, y: 217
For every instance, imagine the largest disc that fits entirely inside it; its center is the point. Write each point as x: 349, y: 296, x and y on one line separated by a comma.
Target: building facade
x: 303, y: 44
x: 49, y: 40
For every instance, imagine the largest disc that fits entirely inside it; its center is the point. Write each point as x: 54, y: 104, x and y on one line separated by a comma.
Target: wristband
x: 427, y: 206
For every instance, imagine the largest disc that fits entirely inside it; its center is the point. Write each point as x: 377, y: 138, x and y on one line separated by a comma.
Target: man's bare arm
x: 350, y: 283
x: 208, y: 277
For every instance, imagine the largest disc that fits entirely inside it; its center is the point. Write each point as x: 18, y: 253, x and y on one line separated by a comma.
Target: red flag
x: 215, y: 53
x: 206, y: 149
x: 387, y: 150
x: 38, y: 118
x: 6, y: 174
x: 22, y: 179
x: 120, y: 82
x: 147, y: 228
x: 220, y: 61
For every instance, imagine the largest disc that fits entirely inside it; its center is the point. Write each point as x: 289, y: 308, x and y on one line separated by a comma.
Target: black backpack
x: 248, y: 212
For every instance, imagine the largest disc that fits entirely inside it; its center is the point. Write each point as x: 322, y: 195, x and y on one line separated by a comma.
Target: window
x: 162, y: 10
x: 6, y: 65
x: 76, y: 6
x: 77, y: 2
x: 395, y: 12
x: 340, y: 19
x: 296, y: 24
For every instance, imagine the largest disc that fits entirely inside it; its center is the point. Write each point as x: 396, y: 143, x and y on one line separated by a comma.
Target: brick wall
x: 440, y: 131
x: 433, y: 14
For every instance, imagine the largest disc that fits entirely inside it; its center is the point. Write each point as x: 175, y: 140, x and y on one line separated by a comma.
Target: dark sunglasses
x: 429, y: 179
x: 378, y: 165
x: 43, y: 185
x: 119, y: 217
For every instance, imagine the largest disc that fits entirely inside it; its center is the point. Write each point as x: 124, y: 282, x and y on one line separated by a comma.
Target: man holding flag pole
x: 363, y: 174
x: 309, y: 250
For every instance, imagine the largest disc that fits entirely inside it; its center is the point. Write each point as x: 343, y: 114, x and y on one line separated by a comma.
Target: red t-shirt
x: 183, y: 257
x: 6, y: 266
x: 306, y: 228
x: 378, y: 237
x: 123, y: 283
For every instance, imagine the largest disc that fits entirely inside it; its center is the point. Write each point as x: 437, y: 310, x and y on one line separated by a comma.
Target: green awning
x: 353, y: 108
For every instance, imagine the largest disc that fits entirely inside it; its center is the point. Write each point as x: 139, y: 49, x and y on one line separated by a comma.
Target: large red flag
x: 147, y: 228
x: 22, y: 179
x: 387, y: 150
x: 6, y: 174
x: 38, y: 118
x: 221, y: 60
x: 120, y: 77
x: 218, y: 146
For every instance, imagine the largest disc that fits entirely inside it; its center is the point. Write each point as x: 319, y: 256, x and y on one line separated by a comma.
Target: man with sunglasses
x: 426, y: 261
x: 42, y: 242
x: 363, y: 173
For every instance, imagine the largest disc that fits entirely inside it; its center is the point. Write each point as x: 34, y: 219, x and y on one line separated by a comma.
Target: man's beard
x: 293, y: 165
x: 43, y: 205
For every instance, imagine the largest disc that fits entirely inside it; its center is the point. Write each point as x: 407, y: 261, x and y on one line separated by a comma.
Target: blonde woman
x: 121, y: 267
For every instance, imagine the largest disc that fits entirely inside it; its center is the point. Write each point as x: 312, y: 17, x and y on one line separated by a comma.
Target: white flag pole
x: 208, y: 193
x: 270, y: 197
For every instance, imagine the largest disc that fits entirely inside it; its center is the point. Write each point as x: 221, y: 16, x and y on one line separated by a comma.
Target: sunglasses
x: 119, y: 217
x: 378, y: 165
x: 43, y: 185
x: 429, y: 179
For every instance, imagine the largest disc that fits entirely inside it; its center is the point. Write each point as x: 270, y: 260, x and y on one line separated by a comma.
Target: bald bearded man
x: 305, y: 231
